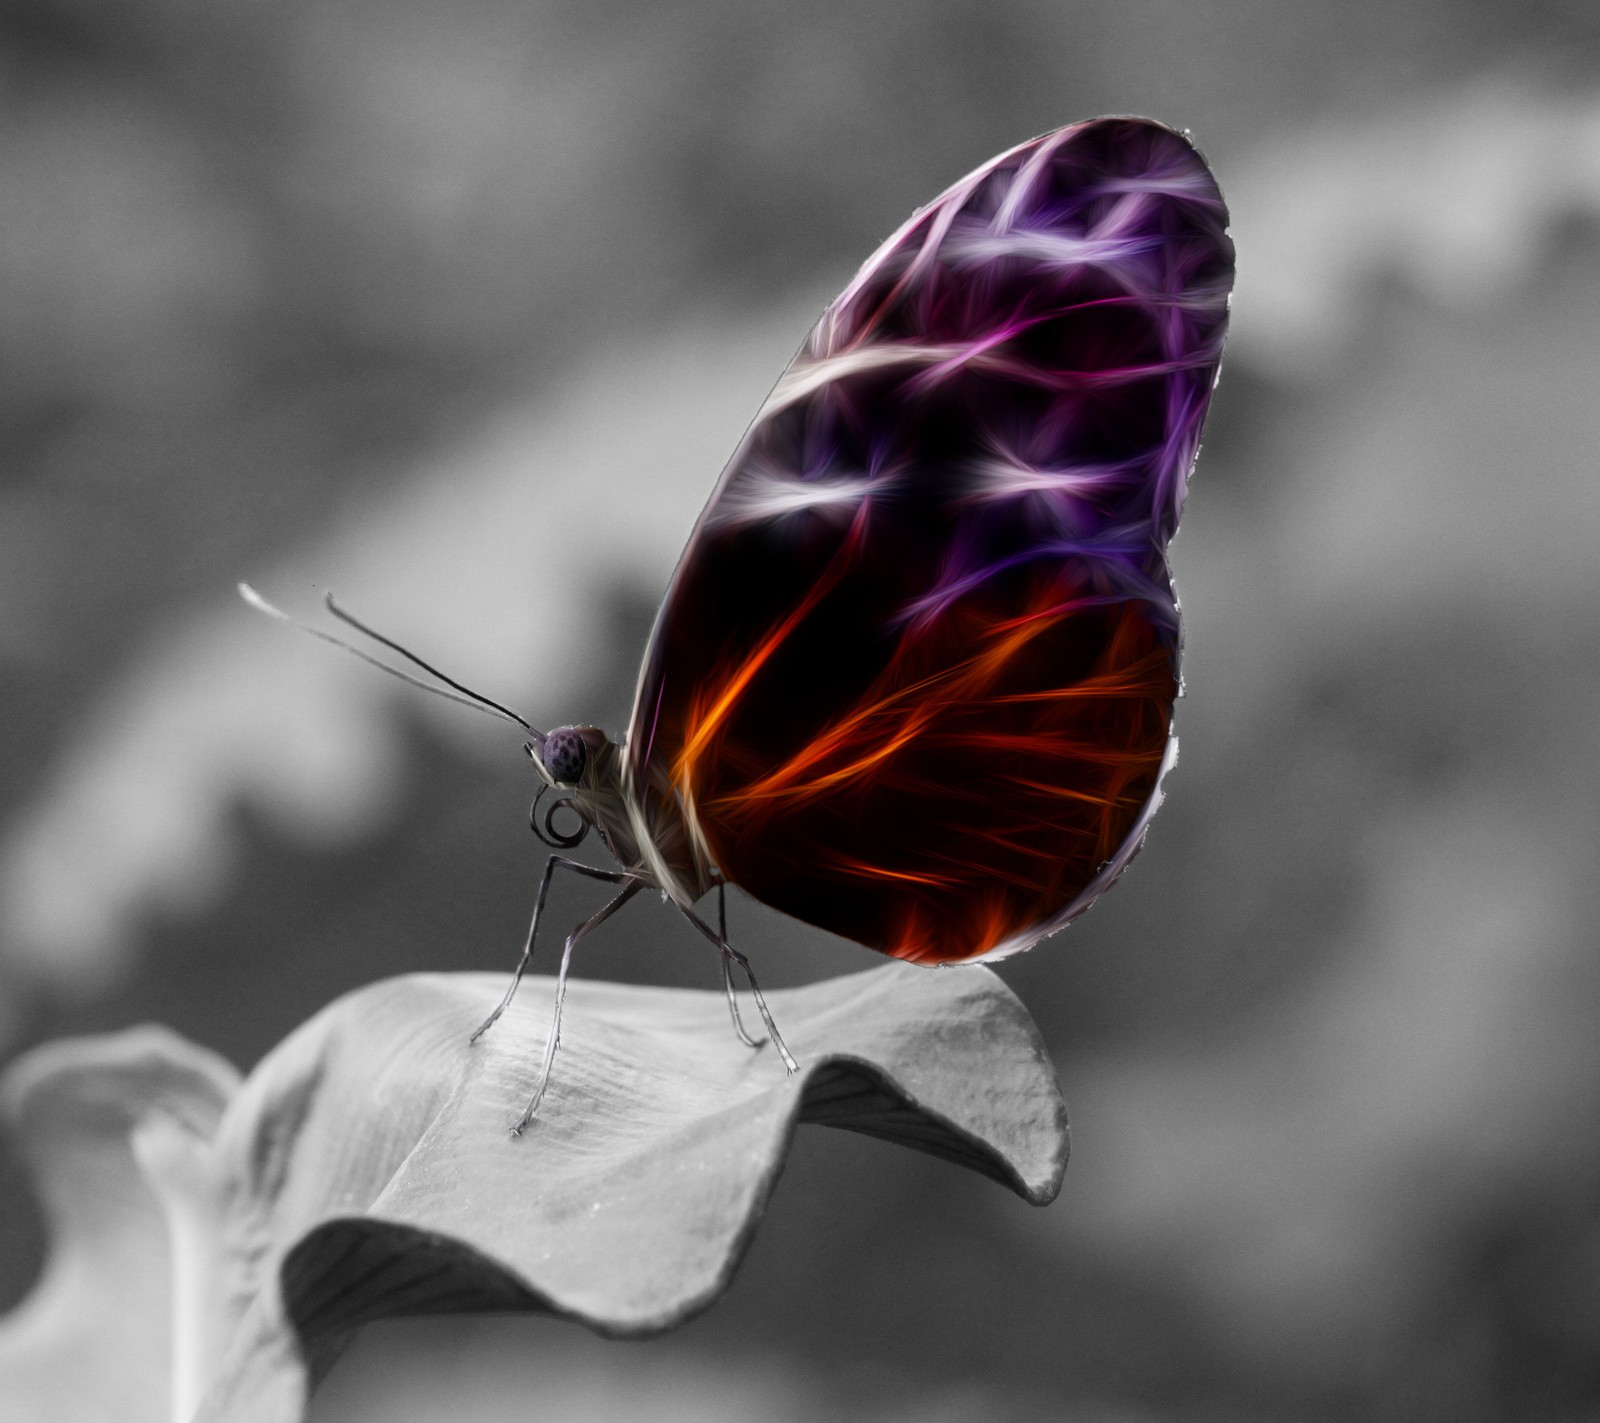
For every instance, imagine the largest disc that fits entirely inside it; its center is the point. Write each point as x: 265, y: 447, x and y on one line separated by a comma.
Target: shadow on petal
x: 378, y: 1177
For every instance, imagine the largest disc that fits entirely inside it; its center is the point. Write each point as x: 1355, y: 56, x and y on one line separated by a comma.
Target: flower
x: 214, y: 1243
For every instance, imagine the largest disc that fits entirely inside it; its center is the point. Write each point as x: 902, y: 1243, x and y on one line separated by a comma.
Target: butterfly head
x: 586, y: 764
x: 566, y: 757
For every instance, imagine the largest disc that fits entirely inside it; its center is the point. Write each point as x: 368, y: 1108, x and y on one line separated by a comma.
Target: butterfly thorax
x: 643, y: 826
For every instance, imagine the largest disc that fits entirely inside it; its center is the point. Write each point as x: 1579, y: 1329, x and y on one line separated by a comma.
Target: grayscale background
x: 456, y: 306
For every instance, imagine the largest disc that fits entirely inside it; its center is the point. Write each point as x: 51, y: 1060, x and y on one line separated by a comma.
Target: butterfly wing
x: 913, y: 679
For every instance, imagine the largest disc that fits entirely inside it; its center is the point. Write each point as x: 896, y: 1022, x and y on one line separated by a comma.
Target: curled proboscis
x: 545, y: 828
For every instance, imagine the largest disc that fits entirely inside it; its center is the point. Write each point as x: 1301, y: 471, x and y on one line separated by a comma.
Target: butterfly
x: 913, y: 678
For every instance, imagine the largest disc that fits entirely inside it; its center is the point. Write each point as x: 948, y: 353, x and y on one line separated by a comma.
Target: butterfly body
x: 642, y: 826
x: 914, y: 677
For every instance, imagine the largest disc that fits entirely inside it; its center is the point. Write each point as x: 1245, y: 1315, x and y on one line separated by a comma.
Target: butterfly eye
x: 565, y: 755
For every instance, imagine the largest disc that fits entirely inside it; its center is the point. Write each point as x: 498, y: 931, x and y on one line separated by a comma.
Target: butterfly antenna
x: 468, y: 697
x: 416, y: 661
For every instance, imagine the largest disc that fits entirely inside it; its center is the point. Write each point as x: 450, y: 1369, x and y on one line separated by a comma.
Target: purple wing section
x: 913, y: 679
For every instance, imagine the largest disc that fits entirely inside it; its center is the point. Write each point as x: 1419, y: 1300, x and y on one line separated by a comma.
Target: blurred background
x: 457, y: 307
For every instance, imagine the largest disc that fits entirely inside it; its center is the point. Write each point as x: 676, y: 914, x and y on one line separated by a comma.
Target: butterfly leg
x: 721, y: 941
x: 611, y: 876
x: 631, y: 888
x: 727, y: 970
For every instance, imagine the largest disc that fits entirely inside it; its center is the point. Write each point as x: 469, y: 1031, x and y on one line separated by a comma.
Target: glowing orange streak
x: 1013, y: 847
x: 733, y: 689
x: 761, y: 791
x: 1124, y: 683
x: 1022, y: 824
x: 830, y: 741
x: 1055, y: 610
x: 1066, y: 794
x: 1108, y: 831
x: 973, y: 672
x: 912, y: 943
x: 1015, y: 640
x: 1049, y: 746
x: 1047, y: 858
x: 993, y: 929
x: 1105, y: 691
x: 779, y: 782
x: 866, y: 871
